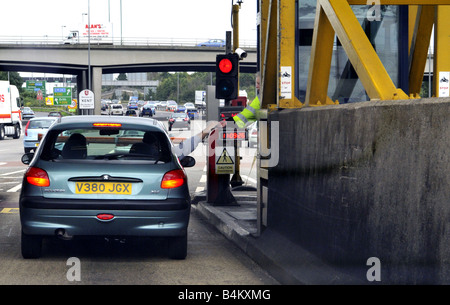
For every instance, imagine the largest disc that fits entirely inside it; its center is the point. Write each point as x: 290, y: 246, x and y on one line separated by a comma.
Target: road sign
x: 36, y: 86
x: 62, y: 96
x: 225, y: 160
x: 86, y: 100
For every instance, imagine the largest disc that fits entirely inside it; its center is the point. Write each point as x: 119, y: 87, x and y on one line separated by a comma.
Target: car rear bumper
x: 84, y: 222
x: 180, y: 125
x: 30, y: 144
x: 37, y: 202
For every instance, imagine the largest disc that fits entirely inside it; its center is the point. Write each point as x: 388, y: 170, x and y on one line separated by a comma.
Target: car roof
x: 43, y: 118
x: 132, y: 122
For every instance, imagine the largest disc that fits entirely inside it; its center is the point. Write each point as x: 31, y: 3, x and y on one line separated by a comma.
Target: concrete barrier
x: 368, y: 179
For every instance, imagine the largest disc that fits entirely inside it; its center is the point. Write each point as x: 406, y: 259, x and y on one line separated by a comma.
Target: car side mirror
x: 187, y: 161
x: 26, y: 158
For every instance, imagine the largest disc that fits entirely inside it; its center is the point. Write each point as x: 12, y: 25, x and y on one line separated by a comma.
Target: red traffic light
x: 227, y: 74
x: 225, y: 65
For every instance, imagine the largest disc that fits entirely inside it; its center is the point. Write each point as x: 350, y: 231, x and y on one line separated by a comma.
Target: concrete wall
x: 369, y: 179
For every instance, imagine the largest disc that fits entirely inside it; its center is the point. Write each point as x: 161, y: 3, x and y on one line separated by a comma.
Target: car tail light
x: 105, y: 216
x: 107, y: 125
x: 26, y: 128
x: 37, y: 177
x: 173, y: 179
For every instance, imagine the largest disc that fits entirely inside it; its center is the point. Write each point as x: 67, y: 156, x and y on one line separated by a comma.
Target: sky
x: 175, y: 19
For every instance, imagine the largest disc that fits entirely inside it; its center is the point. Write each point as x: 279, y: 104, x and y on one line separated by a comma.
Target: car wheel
x: 16, y: 132
x: 31, y: 246
x: 2, y: 132
x: 178, y: 247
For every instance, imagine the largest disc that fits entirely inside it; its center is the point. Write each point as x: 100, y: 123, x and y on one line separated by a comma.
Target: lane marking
x: 6, y: 174
x: 9, y: 211
x: 14, y: 189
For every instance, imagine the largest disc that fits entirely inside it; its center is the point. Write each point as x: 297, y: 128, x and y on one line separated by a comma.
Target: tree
x: 122, y: 76
x: 14, y: 79
x: 170, y: 84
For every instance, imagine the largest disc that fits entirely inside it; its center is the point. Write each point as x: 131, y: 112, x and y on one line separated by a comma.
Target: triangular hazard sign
x: 225, y: 158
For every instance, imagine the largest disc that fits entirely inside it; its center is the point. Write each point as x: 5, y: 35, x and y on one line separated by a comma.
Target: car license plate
x: 103, y: 188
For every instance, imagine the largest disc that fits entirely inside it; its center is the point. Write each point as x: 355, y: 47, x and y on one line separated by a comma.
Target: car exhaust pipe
x: 62, y: 234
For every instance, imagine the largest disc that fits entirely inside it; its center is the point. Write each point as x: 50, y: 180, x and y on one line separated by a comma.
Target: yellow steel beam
x: 412, y: 17
x: 441, y: 68
x: 286, y: 57
x: 235, y: 12
x: 320, y: 62
x: 360, y: 52
x: 419, y: 47
x: 268, y: 52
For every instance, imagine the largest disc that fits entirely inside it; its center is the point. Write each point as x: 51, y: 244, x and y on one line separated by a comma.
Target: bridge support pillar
x: 97, y: 89
x: 81, y: 85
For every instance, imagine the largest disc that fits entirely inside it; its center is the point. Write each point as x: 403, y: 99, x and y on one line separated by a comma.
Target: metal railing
x: 125, y: 41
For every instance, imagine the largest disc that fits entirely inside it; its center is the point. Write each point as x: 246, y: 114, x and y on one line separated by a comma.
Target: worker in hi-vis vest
x: 250, y: 113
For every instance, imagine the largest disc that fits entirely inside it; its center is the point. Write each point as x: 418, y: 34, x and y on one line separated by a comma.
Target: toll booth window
x: 344, y: 84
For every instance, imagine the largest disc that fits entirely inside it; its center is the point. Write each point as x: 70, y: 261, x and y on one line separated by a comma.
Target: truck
x: 200, y: 99
x: 100, y: 33
x: 10, y: 113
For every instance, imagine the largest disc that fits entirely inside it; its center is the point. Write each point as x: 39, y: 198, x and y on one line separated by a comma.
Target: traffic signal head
x: 228, y: 112
x: 227, y: 74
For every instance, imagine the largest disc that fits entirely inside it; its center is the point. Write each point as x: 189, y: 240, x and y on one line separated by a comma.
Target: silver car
x: 27, y: 113
x: 105, y: 176
x: 35, y: 129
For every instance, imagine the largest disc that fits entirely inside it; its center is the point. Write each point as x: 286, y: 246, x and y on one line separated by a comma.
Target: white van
x: 115, y: 109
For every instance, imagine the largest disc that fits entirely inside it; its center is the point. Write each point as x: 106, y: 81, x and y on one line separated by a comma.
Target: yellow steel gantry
x: 277, y: 49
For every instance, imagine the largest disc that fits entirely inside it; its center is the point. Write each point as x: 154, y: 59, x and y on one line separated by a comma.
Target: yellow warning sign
x: 224, y: 160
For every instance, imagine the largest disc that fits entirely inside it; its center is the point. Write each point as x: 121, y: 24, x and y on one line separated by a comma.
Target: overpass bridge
x: 107, y: 59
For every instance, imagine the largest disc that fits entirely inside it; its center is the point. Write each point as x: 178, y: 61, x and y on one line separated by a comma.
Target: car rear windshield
x: 179, y: 115
x: 37, y: 124
x: 107, y: 144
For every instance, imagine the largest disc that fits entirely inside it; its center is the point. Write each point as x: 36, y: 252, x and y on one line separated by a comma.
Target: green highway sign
x: 62, y: 96
x: 36, y: 86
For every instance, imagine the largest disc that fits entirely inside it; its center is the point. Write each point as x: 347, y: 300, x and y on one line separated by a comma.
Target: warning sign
x: 444, y: 84
x: 225, y: 160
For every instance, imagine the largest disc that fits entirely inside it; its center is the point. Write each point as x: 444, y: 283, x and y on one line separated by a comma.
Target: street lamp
x: 89, y: 44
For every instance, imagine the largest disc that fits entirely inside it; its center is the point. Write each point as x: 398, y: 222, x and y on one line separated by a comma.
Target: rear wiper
x: 123, y: 155
x: 111, y: 156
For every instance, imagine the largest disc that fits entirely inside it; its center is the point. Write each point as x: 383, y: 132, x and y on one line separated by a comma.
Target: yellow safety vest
x: 248, y: 115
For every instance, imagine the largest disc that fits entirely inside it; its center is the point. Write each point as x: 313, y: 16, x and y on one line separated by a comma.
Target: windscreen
x: 38, y: 124
x: 108, y: 144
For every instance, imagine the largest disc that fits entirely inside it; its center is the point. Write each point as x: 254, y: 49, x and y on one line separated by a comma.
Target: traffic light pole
x: 236, y: 180
x: 227, y: 88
